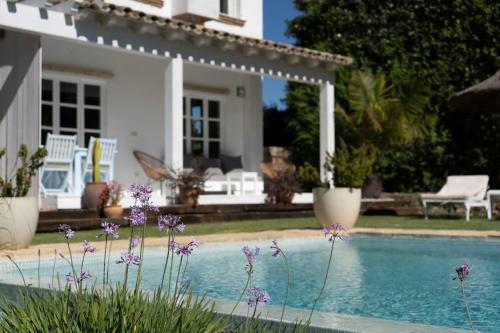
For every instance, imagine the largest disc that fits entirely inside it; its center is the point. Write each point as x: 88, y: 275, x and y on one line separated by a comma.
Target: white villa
x: 166, y: 77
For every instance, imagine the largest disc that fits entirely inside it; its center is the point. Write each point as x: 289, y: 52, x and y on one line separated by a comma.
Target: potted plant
x: 190, y: 184
x: 18, y: 212
x: 349, y: 167
x: 283, y: 186
x: 94, y: 188
x: 110, y: 200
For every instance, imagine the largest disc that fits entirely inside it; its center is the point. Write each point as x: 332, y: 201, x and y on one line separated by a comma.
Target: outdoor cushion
x: 214, y: 172
x: 209, y: 163
x: 461, y: 188
x: 229, y: 163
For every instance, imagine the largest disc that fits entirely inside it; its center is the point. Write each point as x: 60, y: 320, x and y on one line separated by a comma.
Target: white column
x: 174, y: 83
x: 327, y: 126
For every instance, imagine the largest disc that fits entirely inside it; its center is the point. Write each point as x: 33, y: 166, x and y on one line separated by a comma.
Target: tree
x: 443, y: 45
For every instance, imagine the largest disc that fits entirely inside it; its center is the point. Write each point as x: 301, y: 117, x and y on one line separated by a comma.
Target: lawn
x: 404, y: 222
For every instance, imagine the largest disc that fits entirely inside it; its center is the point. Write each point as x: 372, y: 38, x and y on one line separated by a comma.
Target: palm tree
x: 383, y: 114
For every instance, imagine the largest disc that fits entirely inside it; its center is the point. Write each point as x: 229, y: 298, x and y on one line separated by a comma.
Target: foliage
x: 309, y: 177
x: 445, y: 46
x: 418, y: 166
x: 187, y: 179
x: 283, y: 186
x: 111, y: 195
x: 64, y: 311
x: 276, y: 132
x: 384, y: 114
x: 29, y: 164
x: 350, y: 165
x: 96, y: 162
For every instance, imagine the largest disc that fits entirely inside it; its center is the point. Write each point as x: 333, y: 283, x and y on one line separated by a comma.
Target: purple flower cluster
x: 170, y: 221
x: 66, y: 231
x: 251, y: 254
x: 137, y: 216
x: 109, y: 229
x: 87, y: 247
x: 84, y: 275
x: 142, y: 193
x: 187, y: 249
x: 336, y: 230
x: 128, y: 258
x: 257, y: 297
x: 276, y: 248
x: 463, y: 270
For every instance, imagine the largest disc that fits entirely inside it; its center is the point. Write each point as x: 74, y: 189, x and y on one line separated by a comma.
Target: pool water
x: 389, y: 277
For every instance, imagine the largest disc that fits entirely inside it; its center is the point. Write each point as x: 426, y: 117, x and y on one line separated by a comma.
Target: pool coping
x: 49, y: 248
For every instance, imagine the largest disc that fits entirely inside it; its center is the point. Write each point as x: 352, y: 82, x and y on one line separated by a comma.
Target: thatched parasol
x: 482, y: 97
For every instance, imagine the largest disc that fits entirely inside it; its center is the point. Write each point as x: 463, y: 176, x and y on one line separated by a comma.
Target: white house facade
x: 167, y: 77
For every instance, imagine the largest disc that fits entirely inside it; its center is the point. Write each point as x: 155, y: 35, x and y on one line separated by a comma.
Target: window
x: 202, y: 126
x: 230, y: 7
x: 71, y: 107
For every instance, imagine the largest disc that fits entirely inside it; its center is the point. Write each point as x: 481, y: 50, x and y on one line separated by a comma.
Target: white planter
x: 18, y: 222
x: 338, y: 205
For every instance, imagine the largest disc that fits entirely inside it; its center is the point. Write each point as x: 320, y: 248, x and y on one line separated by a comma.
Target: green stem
x: 467, y: 306
x: 80, y: 283
x: 54, y: 268
x: 324, y: 282
x: 242, y: 292
x: 178, y: 275
x: 125, y: 280
x: 18, y: 269
x: 287, y: 289
x: 39, y: 268
x: 141, y: 255
x: 109, y: 258
x: 104, y: 263
x: 170, y: 274
x: 166, y: 261
x: 72, y: 265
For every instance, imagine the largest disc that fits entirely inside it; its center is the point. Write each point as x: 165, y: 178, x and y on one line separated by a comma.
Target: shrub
x: 283, y: 186
x: 350, y: 165
x: 309, y: 177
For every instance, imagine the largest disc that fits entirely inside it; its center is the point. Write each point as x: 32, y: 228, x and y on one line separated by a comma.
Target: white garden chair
x: 107, y: 161
x: 57, y: 170
x: 469, y: 191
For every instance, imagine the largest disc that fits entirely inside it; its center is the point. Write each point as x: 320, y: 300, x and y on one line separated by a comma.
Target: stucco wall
x: 19, y: 96
x: 134, y: 103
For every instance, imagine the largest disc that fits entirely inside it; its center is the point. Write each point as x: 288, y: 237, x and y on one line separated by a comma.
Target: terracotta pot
x: 113, y: 211
x: 18, y: 222
x: 189, y: 195
x: 337, y: 205
x: 91, y: 194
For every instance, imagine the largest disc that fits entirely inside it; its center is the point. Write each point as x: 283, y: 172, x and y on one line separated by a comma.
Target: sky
x: 275, y: 14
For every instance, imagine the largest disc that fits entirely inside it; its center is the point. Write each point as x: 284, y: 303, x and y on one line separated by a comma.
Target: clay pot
x: 18, y: 222
x: 189, y: 195
x: 337, y: 205
x: 91, y: 194
x: 113, y: 211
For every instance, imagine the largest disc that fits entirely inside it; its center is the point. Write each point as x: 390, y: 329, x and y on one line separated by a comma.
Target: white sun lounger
x: 469, y: 191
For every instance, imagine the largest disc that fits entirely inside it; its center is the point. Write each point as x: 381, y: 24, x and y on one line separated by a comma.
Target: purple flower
x: 66, y: 230
x: 336, y: 230
x: 180, y: 227
x: 84, y: 275
x: 135, y: 242
x: 186, y: 249
x: 463, y: 270
x: 129, y: 258
x: 251, y: 254
x: 136, y: 216
x: 87, y: 247
x: 168, y: 221
x: 109, y: 229
x: 257, y: 297
x: 277, y: 250
x: 141, y: 192
x: 69, y: 278
x: 173, y: 244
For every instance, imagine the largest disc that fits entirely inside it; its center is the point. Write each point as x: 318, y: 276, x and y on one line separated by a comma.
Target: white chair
x: 57, y: 170
x: 107, y: 160
x: 467, y: 190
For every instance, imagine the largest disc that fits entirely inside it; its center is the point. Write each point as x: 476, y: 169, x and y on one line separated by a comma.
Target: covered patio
x: 166, y: 87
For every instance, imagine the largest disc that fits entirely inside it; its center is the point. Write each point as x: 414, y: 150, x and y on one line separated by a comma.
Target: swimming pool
x: 397, y: 278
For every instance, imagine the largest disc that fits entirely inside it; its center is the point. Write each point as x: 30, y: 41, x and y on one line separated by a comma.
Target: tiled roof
x: 175, y: 24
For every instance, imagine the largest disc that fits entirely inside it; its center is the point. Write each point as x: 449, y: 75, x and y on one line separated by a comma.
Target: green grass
x: 404, y: 222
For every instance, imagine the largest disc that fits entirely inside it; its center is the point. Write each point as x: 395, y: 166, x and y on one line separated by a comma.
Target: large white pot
x: 18, y: 222
x: 337, y: 205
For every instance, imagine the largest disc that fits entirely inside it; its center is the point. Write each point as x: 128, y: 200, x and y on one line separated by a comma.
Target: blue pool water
x: 397, y: 278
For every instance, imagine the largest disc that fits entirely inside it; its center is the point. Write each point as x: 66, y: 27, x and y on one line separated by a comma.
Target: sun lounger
x: 469, y: 191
